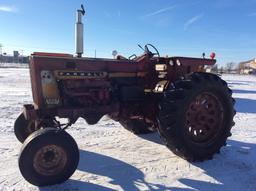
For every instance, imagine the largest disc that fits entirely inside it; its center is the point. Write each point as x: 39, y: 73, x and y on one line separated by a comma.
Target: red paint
x: 213, y: 55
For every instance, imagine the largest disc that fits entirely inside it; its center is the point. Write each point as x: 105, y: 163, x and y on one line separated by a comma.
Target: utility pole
x: 22, y: 56
x: 1, y: 55
x: 95, y: 53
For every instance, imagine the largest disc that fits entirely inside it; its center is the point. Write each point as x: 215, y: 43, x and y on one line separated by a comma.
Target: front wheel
x: 23, y: 128
x: 196, y: 116
x: 48, y: 156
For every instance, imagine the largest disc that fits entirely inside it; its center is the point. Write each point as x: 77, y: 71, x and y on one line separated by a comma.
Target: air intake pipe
x: 79, y: 32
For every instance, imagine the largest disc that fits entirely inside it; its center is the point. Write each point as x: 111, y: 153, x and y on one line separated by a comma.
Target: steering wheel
x: 148, y: 51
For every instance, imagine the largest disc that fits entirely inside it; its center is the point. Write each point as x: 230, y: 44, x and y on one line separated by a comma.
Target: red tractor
x: 192, y: 110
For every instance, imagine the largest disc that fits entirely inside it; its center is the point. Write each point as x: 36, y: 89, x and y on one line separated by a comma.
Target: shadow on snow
x: 244, y: 105
x: 122, y: 174
x: 244, y: 91
x: 232, y: 169
x: 240, y: 83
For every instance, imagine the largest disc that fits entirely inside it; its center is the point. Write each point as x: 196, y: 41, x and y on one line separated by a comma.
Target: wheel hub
x: 204, y: 118
x: 50, y: 160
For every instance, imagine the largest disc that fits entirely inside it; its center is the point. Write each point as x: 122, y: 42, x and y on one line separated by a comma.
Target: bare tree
x: 230, y: 66
x: 215, y: 68
x: 221, y: 70
x: 241, y: 67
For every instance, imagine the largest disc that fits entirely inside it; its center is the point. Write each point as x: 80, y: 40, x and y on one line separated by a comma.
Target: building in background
x: 248, y: 67
x: 15, y: 58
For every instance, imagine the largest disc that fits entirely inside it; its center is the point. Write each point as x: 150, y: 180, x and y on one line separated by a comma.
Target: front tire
x: 48, y: 156
x: 23, y: 128
x: 196, y: 116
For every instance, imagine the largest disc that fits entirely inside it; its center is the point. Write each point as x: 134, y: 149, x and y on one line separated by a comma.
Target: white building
x: 248, y: 67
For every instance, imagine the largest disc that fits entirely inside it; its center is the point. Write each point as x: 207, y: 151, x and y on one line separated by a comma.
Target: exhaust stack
x: 79, y: 32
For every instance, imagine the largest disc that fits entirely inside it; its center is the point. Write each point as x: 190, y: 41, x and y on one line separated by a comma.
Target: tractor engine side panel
x: 43, y: 69
x: 84, y: 82
x: 84, y: 93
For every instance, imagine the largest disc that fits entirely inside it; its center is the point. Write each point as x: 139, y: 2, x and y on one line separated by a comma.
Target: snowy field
x: 113, y: 159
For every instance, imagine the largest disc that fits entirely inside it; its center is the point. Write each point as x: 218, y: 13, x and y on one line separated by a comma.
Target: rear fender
x: 187, y: 61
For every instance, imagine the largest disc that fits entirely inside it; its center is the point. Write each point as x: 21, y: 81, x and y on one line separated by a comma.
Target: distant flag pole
x: 1, y: 52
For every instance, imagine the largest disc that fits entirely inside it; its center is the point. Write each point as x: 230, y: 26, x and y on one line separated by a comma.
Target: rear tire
x: 196, y: 116
x: 137, y: 126
x: 48, y: 156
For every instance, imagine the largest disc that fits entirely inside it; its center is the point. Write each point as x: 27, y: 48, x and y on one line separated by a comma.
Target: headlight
x: 49, y: 88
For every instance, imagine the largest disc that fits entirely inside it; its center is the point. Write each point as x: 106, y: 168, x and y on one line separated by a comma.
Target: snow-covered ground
x: 113, y: 159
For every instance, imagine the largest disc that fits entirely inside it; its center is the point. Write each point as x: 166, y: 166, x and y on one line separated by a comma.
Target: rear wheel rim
x: 204, y: 118
x: 50, y: 160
